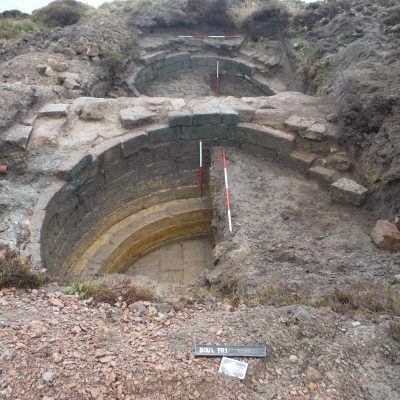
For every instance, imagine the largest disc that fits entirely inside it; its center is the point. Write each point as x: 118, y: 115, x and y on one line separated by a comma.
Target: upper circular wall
x: 195, y: 75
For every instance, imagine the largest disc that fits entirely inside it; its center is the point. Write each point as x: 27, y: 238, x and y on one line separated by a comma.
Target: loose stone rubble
x: 59, y: 347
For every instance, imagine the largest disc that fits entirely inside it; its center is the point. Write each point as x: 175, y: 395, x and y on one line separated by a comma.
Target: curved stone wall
x: 132, y: 175
x: 161, y: 66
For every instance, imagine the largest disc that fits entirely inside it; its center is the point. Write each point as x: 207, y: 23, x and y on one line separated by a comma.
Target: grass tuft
x: 11, y: 28
x: 15, y: 272
x: 103, y: 292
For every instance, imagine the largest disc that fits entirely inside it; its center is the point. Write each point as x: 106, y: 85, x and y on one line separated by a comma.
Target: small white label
x: 232, y: 367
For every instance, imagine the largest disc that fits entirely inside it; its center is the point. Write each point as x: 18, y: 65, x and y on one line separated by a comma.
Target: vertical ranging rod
x: 201, y: 168
x: 228, y: 203
x: 217, y: 78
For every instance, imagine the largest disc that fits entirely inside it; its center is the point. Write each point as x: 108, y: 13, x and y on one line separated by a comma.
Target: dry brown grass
x: 15, y: 272
x: 363, y: 297
x: 104, y: 292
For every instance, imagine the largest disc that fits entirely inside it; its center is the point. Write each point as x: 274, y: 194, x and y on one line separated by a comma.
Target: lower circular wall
x: 135, y: 175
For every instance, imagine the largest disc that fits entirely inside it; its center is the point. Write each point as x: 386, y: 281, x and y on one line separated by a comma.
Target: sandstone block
x: 314, y: 132
x: 134, y: 144
x: 49, y: 72
x: 94, y: 109
x: 71, y: 84
x: 71, y: 168
x: 19, y: 135
x: 54, y: 110
x: 198, y: 61
x: 322, y: 174
x: 266, y: 137
x: 153, y: 58
x: 386, y: 235
x: 163, y: 134
x: 176, y: 118
x: 245, y: 113
x: 212, y: 132
x: 57, y: 65
x: 228, y: 115
x: 206, y: 115
x: 297, y: 123
x: 174, y: 58
x: 136, y: 116
x: 302, y: 159
x: 347, y: 191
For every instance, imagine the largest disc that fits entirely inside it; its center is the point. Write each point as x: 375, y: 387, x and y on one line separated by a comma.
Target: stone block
x: 170, y: 68
x: 57, y: 65
x: 107, y: 152
x: 347, y: 191
x: 302, y: 159
x: 314, y: 132
x: 267, y: 137
x: 228, y: 115
x: 153, y: 58
x: 245, y: 113
x: 95, y: 109
x: 163, y: 134
x: 322, y: 174
x: 72, y: 167
x: 211, y: 132
x: 54, y: 110
x: 71, y: 84
x: 176, y: 118
x: 178, y: 57
x: 212, y: 61
x: 133, y: 143
x: 186, y: 64
x: 19, y: 135
x: 225, y: 63
x: 136, y: 116
x: 247, y: 69
x: 386, y: 235
x: 298, y: 124
x: 206, y: 115
x: 198, y: 61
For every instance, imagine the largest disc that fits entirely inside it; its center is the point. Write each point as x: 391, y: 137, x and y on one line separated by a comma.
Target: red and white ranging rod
x: 209, y: 36
x: 201, y: 168
x: 217, y: 78
x: 228, y: 203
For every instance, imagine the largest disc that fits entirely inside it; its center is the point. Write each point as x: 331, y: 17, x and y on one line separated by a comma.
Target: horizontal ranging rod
x: 209, y: 37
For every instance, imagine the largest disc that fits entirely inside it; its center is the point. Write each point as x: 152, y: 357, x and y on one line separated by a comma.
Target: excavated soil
x: 286, y: 230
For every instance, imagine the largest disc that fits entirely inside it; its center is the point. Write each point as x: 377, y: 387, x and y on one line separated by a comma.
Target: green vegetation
x: 313, y: 69
x: 103, y: 292
x: 11, y: 28
x: 15, y: 272
x: 60, y: 13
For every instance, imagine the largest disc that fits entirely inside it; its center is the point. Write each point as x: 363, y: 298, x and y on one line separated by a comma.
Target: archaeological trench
x: 112, y: 184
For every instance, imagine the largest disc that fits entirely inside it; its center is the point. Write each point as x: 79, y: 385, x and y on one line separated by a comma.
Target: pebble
x: 293, y: 359
x: 48, y: 376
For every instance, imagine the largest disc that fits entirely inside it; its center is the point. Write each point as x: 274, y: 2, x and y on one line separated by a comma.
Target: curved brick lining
x: 139, y: 170
x: 142, y: 232
x: 161, y: 66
